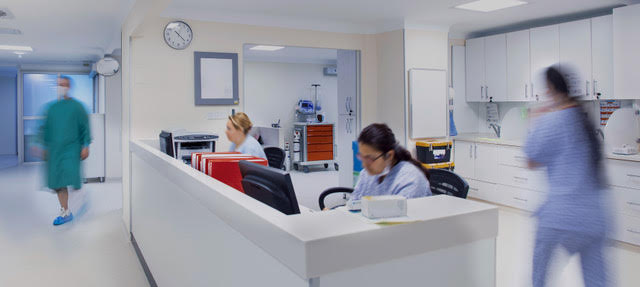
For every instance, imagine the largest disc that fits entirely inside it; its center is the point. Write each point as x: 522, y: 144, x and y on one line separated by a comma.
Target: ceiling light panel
x: 266, y: 48
x: 490, y: 5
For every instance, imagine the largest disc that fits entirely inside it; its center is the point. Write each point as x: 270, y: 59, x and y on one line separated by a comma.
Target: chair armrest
x: 330, y: 191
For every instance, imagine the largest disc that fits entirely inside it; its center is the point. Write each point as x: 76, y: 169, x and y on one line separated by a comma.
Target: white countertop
x: 492, y: 139
x: 319, y: 243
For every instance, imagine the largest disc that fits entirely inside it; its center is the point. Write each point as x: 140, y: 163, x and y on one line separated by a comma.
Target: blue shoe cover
x: 62, y: 220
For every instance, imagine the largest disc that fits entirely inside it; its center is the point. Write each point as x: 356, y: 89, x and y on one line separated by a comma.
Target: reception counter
x: 192, y: 230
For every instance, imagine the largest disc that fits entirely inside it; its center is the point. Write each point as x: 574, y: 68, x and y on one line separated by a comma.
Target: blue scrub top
x: 403, y: 179
x: 250, y: 146
x: 576, y: 199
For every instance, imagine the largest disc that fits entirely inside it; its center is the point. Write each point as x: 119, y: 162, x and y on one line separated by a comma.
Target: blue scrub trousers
x: 589, y: 247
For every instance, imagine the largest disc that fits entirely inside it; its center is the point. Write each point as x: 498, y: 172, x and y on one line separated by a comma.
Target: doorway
x: 8, y: 117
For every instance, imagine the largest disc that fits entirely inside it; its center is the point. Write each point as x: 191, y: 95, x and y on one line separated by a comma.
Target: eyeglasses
x: 367, y: 158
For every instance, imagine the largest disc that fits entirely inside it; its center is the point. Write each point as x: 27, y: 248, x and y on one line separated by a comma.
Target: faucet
x: 496, y: 129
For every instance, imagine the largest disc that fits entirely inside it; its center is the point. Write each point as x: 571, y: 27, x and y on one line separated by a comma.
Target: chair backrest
x: 275, y: 157
x: 332, y: 190
x: 446, y: 182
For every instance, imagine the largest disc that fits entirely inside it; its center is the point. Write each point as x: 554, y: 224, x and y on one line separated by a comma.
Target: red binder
x: 226, y: 169
x: 197, y: 158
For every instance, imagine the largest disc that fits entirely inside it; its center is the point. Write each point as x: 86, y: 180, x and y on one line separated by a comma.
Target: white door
x: 544, y: 53
x: 575, y: 57
x: 602, y: 56
x: 345, y: 135
x: 463, y: 157
x: 486, y: 157
x: 518, y: 66
x: 475, y: 70
x: 495, y: 67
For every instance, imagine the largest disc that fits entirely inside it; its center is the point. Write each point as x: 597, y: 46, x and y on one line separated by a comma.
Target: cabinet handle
x: 486, y: 92
x: 475, y: 189
x: 520, y: 199
x: 476, y: 152
x: 633, y: 203
x: 519, y: 157
x: 633, y: 231
x: 633, y: 175
x: 587, y: 89
x: 481, y: 92
x: 526, y: 92
x: 594, y: 89
x: 470, y: 151
x: 520, y: 178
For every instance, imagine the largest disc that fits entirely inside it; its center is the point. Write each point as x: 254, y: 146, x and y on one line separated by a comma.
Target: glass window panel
x: 31, y: 141
x: 38, y: 90
x: 82, y: 90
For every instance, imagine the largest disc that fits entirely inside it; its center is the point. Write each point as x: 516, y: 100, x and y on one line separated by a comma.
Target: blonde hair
x: 241, y: 121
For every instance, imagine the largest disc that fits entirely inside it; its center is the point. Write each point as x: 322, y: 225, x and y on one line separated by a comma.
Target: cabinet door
x: 486, y: 157
x: 626, y: 59
x: 463, y: 156
x: 347, y: 82
x: 495, y: 67
x: 475, y: 70
x: 518, y: 66
x: 602, y: 56
x: 575, y: 57
x: 544, y: 53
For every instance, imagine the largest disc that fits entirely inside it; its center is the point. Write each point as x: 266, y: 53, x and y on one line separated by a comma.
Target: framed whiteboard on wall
x: 216, y: 78
x: 427, y: 103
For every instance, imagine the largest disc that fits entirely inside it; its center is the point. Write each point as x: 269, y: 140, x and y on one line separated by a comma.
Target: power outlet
x: 216, y: 115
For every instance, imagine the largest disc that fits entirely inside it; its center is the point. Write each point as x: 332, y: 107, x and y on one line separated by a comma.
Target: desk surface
x: 317, y: 243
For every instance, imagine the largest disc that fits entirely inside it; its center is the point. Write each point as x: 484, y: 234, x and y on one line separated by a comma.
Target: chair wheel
x: 335, y: 165
x: 326, y: 165
x: 305, y: 169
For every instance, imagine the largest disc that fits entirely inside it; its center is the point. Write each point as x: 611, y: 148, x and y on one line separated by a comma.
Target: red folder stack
x: 223, y: 166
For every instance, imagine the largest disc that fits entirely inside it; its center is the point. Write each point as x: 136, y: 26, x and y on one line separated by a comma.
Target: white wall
x: 390, y: 110
x: 423, y: 49
x: 8, y: 114
x: 465, y: 114
x: 272, y: 91
x: 113, y: 124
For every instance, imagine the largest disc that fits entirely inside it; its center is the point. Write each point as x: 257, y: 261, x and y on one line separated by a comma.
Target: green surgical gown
x: 64, y: 133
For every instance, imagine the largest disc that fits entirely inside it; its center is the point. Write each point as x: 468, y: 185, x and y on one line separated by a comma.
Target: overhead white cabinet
x: 575, y: 57
x: 518, y: 66
x: 602, y: 57
x: 495, y: 68
x: 545, y: 52
x: 475, y: 70
x: 626, y: 58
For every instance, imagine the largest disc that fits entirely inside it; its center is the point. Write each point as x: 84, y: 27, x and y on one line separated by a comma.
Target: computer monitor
x: 270, y: 186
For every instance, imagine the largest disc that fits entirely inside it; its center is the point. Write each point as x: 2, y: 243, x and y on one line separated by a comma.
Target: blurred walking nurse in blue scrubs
x: 574, y: 215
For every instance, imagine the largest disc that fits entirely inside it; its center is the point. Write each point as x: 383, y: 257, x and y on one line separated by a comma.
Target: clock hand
x: 179, y: 35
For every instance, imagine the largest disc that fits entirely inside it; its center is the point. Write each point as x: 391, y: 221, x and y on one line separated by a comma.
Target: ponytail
x: 403, y: 154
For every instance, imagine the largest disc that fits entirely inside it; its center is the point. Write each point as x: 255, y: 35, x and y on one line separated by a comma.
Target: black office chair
x: 446, y: 182
x: 333, y: 190
x: 275, y: 157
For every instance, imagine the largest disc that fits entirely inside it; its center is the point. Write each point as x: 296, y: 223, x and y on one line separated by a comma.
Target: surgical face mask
x: 62, y: 91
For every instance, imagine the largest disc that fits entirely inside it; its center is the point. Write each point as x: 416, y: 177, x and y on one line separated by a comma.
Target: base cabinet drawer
x: 627, y: 229
x: 313, y: 156
x: 623, y: 173
x: 625, y: 200
x: 522, y: 177
x: 520, y: 198
x: 482, y: 190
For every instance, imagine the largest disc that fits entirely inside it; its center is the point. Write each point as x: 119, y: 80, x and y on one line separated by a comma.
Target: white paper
x: 216, y: 78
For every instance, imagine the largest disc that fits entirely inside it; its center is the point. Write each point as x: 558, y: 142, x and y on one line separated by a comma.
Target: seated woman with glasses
x: 389, y: 168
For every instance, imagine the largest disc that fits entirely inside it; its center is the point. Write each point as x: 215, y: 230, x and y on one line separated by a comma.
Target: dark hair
x: 557, y: 82
x: 380, y: 137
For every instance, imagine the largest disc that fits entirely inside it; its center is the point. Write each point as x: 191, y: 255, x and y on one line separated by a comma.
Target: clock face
x: 178, y: 35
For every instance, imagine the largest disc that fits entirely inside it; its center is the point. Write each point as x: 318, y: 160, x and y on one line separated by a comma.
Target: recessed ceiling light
x: 19, y: 52
x: 16, y: 48
x: 490, y: 5
x: 266, y: 48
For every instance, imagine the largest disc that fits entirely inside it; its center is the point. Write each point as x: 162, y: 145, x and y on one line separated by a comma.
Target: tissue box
x: 384, y: 206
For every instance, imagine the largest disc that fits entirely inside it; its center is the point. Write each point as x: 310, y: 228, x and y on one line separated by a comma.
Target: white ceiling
x: 63, y: 31
x: 372, y: 16
x: 292, y: 55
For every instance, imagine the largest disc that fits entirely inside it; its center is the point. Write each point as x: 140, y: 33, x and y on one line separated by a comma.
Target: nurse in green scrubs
x: 66, y: 138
